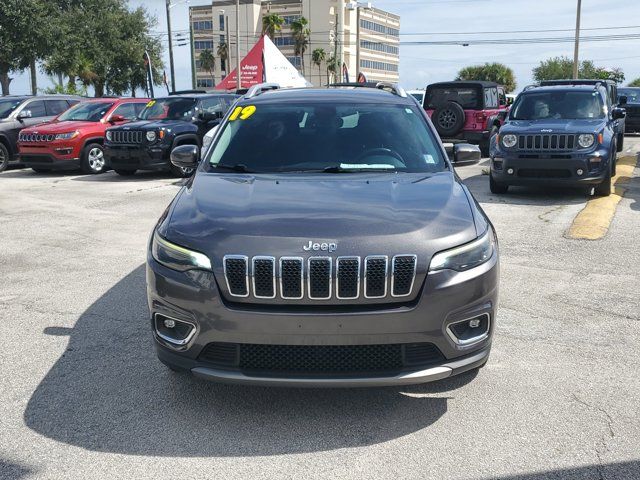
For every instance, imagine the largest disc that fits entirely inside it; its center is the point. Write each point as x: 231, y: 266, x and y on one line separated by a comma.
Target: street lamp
x: 577, y: 44
x: 169, y: 5
x: 357, y: 6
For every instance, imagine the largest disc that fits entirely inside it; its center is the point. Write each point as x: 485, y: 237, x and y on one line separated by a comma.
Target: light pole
x: 357, y: 6
x: 577, y: 45
x: 169, y: 6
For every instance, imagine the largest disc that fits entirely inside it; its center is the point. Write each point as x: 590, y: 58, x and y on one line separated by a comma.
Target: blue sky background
x: 420, y: 65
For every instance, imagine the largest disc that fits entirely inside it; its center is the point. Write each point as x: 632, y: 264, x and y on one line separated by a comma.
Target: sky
x: 436, y: 20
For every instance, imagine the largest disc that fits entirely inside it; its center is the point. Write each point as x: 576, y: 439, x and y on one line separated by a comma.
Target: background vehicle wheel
x: 92, y: 159
x: 448, y: 119
x: 40, y: 170
x: 125, y: 173
x: 182, y: 172
x: 604, y: 189
x: 4, y: 158
x: 496, y: 187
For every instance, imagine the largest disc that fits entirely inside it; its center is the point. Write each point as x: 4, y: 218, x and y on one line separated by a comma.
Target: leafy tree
x: 332, y: 67
x: 208, y: 63
x: 223, y: 54
x: 490, y: 72
x: 271, y: 24
x: 317, y: 57
x: 634, y: 83
x: 300, y: 33
x: 558, y: 68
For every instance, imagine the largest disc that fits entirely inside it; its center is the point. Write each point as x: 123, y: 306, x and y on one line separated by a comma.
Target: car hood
x: 365, y: 214
x: 59, y: 127
x: 553, y: 126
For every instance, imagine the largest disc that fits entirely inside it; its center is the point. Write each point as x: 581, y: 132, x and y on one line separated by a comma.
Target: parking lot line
x: 593, y: 222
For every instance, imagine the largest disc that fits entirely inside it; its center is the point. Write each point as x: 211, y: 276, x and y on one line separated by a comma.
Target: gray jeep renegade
x: 324, y: 240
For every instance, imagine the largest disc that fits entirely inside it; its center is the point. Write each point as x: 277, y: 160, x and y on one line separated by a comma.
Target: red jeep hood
x: 62, y: 127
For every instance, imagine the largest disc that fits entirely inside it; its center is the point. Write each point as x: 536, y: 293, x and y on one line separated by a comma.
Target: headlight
x: 466, y: 256
x: 509, y: 140
x: 108, y: 135
x: 67, y: 136
x: 586, y: 140
x: 151, y: 136
x: 177, y: 257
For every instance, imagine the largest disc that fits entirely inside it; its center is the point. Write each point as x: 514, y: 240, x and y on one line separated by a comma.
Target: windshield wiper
x: 340, y: 169
x: 239, y: 167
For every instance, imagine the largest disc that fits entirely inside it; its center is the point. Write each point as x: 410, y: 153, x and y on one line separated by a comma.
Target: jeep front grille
x: 294, y: 278
x: 36, y: 137
x: 546, y: 142
x: 126, y: 136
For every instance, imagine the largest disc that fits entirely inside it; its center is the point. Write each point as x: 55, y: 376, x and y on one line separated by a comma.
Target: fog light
x: 170, y: 323
x: 510, y: 171
x: 470, y: 331
x: 475, y: 323
x: 579, y: 171
x: 174, y: 331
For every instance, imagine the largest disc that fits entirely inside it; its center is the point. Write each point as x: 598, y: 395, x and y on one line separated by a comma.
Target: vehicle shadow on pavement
x: 112, y: 176
x: 619, y: 470
x: 12, y: 471
x: 108, y: 392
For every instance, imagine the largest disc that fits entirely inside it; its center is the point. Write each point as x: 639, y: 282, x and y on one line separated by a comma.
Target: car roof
x: 464, y: 83
x: 197, y: 96
x: 555, y: 88
x: 338, y: 94
x: 579, y: 81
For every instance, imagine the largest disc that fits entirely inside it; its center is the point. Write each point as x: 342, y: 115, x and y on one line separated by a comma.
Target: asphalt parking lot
x: 82, y: 395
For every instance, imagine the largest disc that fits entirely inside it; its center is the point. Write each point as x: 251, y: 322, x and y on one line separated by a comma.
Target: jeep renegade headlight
x: 586, y: 140
x: 509, y: 140
x: 151, y: 136
x: 177, y: 257
x: 466, y: 256
x: 67, y: 136
x: 109, y: 135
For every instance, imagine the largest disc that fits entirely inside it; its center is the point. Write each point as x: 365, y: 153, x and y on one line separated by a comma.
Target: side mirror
x: 466, y: 153
x: 617, y: 113
x: 117, y: 119
x: 185, y: 156
x: 622, y: 100
x: 24, y: 114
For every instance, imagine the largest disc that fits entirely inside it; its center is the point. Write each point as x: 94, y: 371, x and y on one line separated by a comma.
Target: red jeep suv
x: 472, y: 111
x: 75, y: 138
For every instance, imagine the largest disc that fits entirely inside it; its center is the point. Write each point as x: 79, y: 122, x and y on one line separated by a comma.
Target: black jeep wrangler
x: 563, y: 134
x: 164, y: 124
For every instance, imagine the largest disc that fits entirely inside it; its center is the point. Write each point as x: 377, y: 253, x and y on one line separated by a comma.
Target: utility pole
x: 173, y: 73
x: 577, y: 46
x: 193, y: 52
x: 238, y: 72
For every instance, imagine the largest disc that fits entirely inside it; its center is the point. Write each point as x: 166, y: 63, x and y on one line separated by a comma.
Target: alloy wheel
x: 96, y: 159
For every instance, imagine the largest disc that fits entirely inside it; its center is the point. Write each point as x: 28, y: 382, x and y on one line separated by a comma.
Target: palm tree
x: 208, y: 63
x: 223, y: 53
x: 331, y: 67
x: 317, y: 57
x: 300, y: 34
x: 271, y: 24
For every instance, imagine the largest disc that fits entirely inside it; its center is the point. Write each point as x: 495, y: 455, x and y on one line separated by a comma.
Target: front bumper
x: 535, y: 168
x: 138, y: 157
x: 446, y: 297
x: 48, y: 161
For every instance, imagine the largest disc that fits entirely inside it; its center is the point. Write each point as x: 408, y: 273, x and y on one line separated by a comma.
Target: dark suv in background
x: 632, y: 106
x: 164, y: 124
x: 563, y: 135
x: 469, y: 111
x: 18, y: 112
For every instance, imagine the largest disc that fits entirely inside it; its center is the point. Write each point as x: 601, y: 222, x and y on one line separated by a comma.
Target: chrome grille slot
x: 403, y: 275
x: 375, y: 276
x: 319, y: 278
x: 347, y: 277
x: 291, y: 278
x: 264, y: 277
x: 236, y: 273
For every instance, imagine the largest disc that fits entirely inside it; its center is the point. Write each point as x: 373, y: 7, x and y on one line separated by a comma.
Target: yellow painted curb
x: 593, y: 222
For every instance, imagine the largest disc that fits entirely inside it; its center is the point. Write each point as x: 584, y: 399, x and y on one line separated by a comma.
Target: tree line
x: 80, y: 44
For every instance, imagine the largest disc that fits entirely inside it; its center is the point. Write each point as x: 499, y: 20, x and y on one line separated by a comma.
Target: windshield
x: 325, y: 137
x: 176, y: 108
x: 8, y: 106
x: 86, y: 112
x: 632, y: 94
x: 466, y: 97
x: 565, y: 105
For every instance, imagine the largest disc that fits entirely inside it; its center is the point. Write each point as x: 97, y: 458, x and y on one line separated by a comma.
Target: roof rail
x: 261, y: 88
x: 529, y: 87
x: 386, y: 86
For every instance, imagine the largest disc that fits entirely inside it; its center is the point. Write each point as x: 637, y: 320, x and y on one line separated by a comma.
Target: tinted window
x: 56, y: 107
x: 129, y: 110
x: 214, y: 105
x: 467, y: 97
x: 393, y: 138
x: 418, y: 96
x: 37, y: 108
x: 87, y: 112
x: 490, y: 98
x: 175, y: 108
x: 632, y: 94
x: 8, y: 106
x: 558, y: 105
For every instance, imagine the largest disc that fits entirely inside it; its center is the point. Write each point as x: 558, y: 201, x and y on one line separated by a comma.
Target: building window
x: 379, y: 28
x: 289, y: 19
x: 379, y: 47
x: 374, y: 65
x: 198, y: 64
x: 295, y: 61
x: 203, y: 45
x: 284, y: 41
x: 203, y: 25
x: 204, y: 83
x: 221, y: 22
x: 223, y: 39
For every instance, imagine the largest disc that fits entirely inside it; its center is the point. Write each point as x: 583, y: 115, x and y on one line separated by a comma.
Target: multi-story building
x: 364, y: 38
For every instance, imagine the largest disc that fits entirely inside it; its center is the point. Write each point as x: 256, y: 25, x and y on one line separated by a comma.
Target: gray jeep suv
x: 324, y: 240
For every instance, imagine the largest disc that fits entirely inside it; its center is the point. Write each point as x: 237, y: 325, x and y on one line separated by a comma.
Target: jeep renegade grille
x: 546, y: 142
x: 126, y: 136
x: 293, y: 278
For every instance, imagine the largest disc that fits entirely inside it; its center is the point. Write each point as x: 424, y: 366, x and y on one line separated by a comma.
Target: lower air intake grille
x: 404, y: 268
x: 320, y: 359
